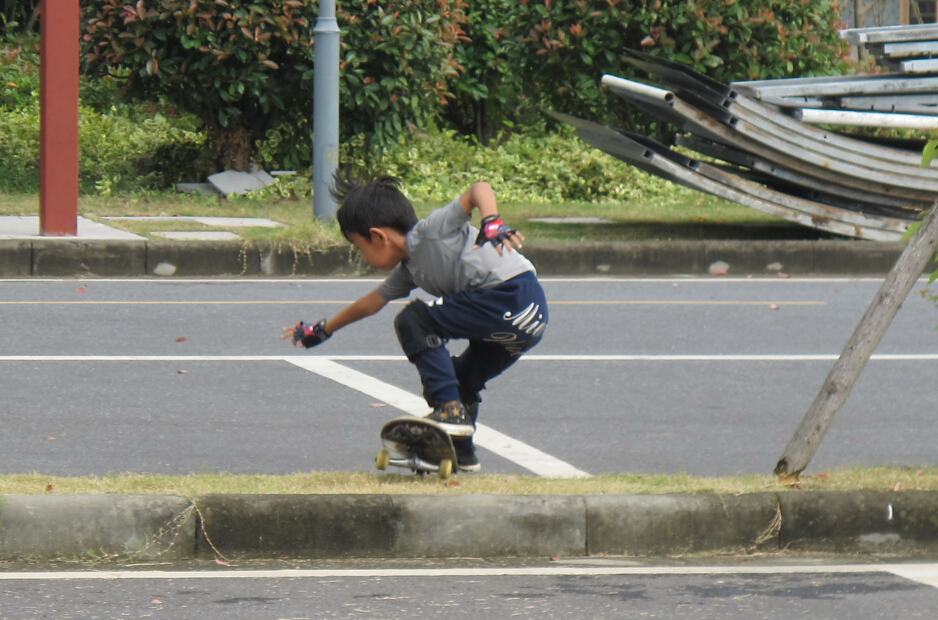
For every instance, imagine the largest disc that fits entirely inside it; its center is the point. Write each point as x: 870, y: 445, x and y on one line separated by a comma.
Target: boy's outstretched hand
x: 495, y: 231
x: 307, y: 335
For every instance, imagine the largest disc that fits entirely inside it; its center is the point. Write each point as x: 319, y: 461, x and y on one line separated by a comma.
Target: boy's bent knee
x: 416, y: 329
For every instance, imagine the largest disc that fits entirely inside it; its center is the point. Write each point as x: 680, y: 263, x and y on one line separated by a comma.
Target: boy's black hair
x: 373, y: 204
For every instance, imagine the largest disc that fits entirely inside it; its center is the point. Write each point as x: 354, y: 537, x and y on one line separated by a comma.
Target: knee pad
x: 416, y: 329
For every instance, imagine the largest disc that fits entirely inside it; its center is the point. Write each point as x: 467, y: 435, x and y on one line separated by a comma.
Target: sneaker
x: 466, y: 459
x: 452, y: 417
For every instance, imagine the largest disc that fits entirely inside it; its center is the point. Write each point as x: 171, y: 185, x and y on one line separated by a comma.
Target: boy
x: 488, y: 294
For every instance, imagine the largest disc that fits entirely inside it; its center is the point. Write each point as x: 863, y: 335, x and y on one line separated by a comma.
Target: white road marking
x: 515, y: 451
x: 794, y: 357
x: 697, y: 279
x: 922, y: 573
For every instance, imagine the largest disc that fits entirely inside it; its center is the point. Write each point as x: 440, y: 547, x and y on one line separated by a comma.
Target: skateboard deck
x: 417, y: 444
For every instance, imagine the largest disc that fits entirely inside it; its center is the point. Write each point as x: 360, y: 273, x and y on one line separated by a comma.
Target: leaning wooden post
x: 866, y: 337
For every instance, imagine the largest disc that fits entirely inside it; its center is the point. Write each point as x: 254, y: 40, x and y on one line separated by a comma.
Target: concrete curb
x: 137, y: 258
x: 81, y: 527
x: 115, y: 527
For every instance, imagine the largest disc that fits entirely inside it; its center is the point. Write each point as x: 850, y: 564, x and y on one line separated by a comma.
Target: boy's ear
x: 378, y: 234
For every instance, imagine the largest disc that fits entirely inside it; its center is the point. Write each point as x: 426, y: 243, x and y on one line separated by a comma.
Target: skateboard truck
x: 415, y: 464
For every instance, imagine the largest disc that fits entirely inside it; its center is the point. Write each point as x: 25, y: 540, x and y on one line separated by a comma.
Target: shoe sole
x: 455, y: 430
x: 469, y: 469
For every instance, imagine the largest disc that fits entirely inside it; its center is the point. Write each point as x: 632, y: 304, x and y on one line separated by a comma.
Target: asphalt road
x: 709, y: 376
x: 598, y: 589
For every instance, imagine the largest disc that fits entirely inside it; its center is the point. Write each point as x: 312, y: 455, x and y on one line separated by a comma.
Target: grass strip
x: 683, y: 215
x: 851, y: 479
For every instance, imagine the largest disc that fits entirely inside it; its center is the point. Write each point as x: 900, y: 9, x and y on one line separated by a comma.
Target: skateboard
x: 417, y: 444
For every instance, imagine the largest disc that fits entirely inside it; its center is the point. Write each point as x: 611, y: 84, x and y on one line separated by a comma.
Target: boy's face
x: 378, y: 251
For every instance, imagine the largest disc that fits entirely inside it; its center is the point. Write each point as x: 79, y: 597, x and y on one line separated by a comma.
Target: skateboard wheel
x: 383, y: 460
x: 446, y: 469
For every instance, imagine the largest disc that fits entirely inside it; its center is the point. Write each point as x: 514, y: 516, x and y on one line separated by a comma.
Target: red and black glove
x: 310, y: 335
x: 495, y: 231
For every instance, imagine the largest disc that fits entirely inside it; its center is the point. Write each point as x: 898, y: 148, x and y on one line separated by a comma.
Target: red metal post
x: 58, y: 148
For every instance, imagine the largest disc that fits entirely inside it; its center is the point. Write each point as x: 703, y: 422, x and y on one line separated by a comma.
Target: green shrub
x: 397, y: 62
x: 555, y: 167
x: 548, y: 53
x: 19, y: 72
x: 19, y: 149
x: 116, y: 152
x: 250, y: 66
x: 539, y: 168
x: 246, y: 69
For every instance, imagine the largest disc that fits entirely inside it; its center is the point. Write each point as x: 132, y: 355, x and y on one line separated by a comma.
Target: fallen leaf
x: 555, y: 558
x: 81, y: 290
x: 51, y: 438
x: 156, y: 601
x: 783, y: 275
x: 823, y: 477
x: 49, y: 488
x: 181, y: 339
x: 454, y: 483
x: 898, y: 484
x: 182, y: 372
x: 222, y: 562
x: 378, y: 405
x: 773, y: 306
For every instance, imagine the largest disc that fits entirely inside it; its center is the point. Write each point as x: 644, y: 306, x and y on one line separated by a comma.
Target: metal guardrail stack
x: 759, y: 150
x: 906, y: 96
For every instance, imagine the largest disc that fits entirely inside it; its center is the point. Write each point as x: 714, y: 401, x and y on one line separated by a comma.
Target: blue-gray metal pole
x: 325, y: 109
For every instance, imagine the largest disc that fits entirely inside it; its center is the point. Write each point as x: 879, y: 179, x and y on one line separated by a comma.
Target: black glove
x: 310, y: 335
x: 495, y: 231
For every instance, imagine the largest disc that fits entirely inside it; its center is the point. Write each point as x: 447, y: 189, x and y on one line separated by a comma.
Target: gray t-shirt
x: 443, y: 260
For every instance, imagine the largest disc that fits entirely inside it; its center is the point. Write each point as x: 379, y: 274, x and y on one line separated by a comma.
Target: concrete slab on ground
x: 571, y: 220
x: 234, y: 182
x: 196, y: 235
x: 217, y: 222
x: 27, y: 227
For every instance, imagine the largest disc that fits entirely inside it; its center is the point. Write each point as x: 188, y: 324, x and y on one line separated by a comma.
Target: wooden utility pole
x: 921, y: 249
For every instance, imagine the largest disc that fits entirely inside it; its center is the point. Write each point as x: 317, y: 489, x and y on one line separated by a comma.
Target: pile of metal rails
x: 900, y: 49
x: 759, y: 155
x: 906, y: 96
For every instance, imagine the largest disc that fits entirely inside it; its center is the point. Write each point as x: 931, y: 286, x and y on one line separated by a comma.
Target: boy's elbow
x: 482, y: 187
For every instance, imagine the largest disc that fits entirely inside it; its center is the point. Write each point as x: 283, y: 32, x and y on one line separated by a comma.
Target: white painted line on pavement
x: 515, y: 451
x: 795, y: 357
x: 921, y: 573
x: 696, y: 279
x: 394, y: 396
